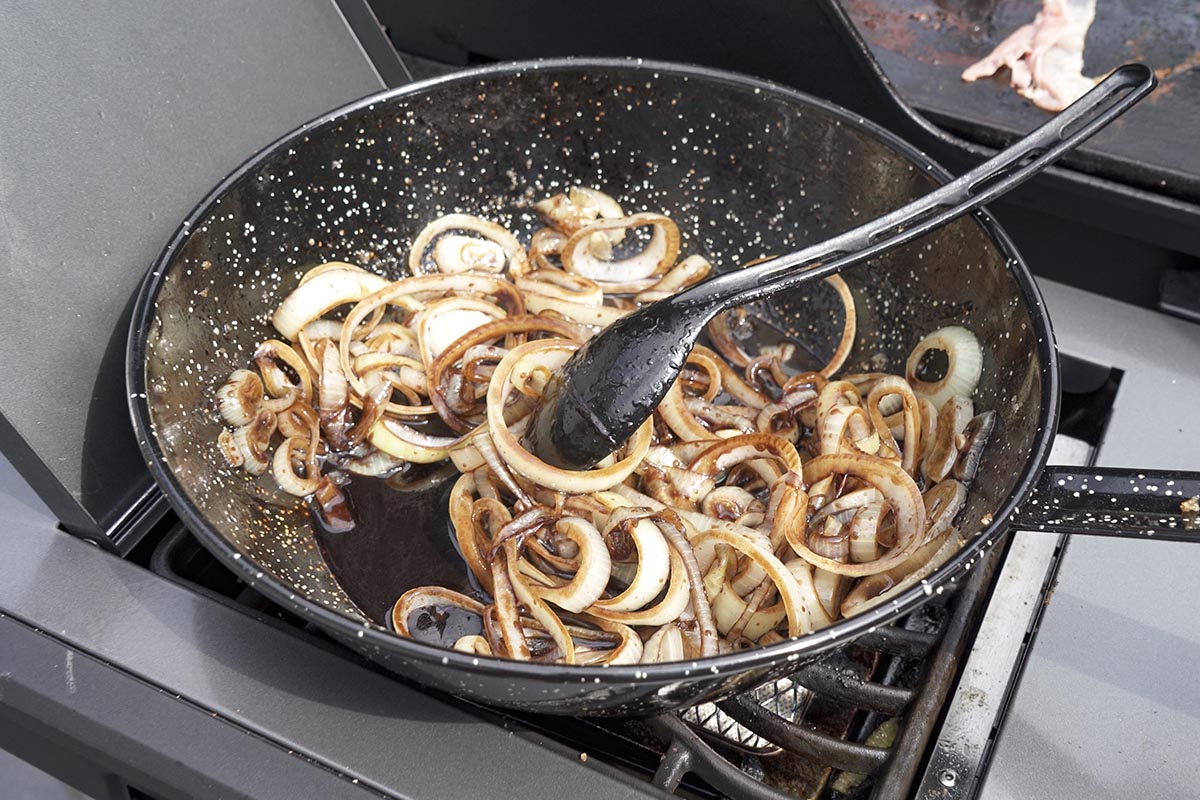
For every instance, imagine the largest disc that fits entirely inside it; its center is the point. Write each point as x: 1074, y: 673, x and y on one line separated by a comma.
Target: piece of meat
x: 1046, y: 56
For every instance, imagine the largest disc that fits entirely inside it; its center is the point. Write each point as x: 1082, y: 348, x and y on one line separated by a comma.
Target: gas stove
x: 1061, y: 668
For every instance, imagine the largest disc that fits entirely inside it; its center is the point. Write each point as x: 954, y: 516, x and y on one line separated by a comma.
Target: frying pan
x: 746, y: 168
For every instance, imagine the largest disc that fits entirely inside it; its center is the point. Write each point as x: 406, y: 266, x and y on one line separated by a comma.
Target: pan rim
x: 794, y: 650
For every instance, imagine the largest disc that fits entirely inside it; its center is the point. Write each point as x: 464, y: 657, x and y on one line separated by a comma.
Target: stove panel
x: 115, y: 123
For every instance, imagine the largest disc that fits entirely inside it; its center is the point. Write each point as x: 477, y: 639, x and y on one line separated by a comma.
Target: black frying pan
x: 745, y: 167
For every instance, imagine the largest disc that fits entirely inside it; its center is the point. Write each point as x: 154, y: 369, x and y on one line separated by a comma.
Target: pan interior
x: 746, y: 171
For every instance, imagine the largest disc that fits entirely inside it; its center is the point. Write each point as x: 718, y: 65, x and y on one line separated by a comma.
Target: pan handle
x: 1108, y: 501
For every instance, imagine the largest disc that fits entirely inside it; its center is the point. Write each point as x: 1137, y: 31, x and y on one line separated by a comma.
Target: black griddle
x: 924, y: 45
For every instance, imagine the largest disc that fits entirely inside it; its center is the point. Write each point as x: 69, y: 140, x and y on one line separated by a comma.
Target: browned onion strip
x: 863, y: 535
x: 552, y: 354
x: 276, y: 381
x: 627, y: 651
x: 880, y: 588
x: 898, y: 491
x: 592, y: 573
x: 653, y: 560
x: 652, y: 261
x: 507, y: 613
x: 582, y: 313
x: 674, y: 601
x: 538, y: 609
x: 672, y: 528
x: 795, y: 604
x: 849, y: 326
x: 674, y: 412
x: 894, y: 386
x: 751, y: 447
x: 951, y: 421
x: 712, y: 373
x: 846, y: 427
x: 468, y: 516
x: 426, y: 597
x: 327, y: 288
x: 688, y: 272
x: 836, y: 393
x: 518, y: 261
x: 443, y: 322
x: 560, y: 285
x: 732, y: 382
x: 240, y: 397
x: 694, y: 519
x: 492, y: 331
x: 297, y: 449
x: 752, y: 604
x: 942, y: 504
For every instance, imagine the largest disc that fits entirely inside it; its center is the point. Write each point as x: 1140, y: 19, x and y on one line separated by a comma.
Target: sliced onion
x: 584, y: 313
x: 538, y: 609
x: 595, y: 566
x: 751, y: 447
x: 400, y: 441
x: 559, y: 285
x: 458, y: 253
x: 628, y: 651
x: 952, y: 420
x: 552, y: 354
x: 796, y: 605
x: 653, y: 564
x: 322, y: 292
x: 672, y: 529
x: 240, y: 397
x: 283, y: 466
x: 849, y: 326
x: 427, y: 597
x: 652, y: 261
x: 673, y: 603
x: 443, y: 322
x: 518, y: 261
x: 965, y: 364
x: 276, y: 382
x: 253, y: 442
x: 691, y: 270
x: 881, y: 588
x: 664, y: 645
x: 895, y: 386
x: 899, y: 491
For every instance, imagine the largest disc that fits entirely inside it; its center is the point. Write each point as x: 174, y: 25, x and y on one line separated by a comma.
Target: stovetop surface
x: 1108, y: 705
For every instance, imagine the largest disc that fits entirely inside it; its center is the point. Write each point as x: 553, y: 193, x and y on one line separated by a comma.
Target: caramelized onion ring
x: 552, y: 354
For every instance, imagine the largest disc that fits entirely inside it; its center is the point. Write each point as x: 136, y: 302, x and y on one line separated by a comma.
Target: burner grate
x: 774, y: 742
x: 786, y: 739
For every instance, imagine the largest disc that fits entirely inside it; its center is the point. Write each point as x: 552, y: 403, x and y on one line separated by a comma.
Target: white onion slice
x: 658, y: 255
x: 518, y: 261
x: 321, y: 294
x: 964, y: 368
x: 595, y: 567
x: 551, y: 354
x: 653, y: 565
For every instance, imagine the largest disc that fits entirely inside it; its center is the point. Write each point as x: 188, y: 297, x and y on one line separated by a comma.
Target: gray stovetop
x: 1109, y: 705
